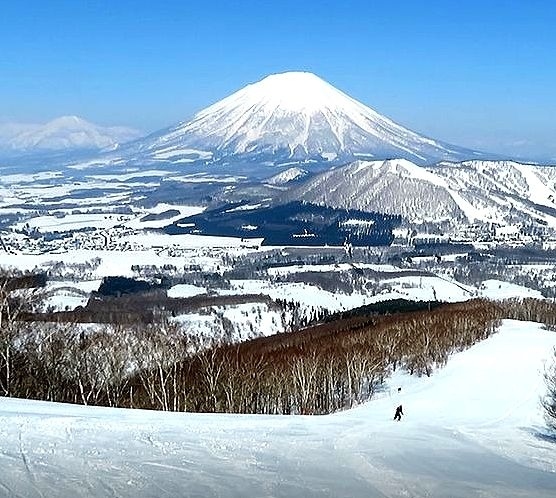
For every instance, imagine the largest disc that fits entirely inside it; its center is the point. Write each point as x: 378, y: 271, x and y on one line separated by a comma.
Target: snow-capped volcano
x: 290, y: 117
x: 63, y: 133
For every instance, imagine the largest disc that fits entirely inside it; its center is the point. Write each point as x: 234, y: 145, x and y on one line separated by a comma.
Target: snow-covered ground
x: 240, y: 322
x: 497, y: 289
x: 183, y: 211
x: 120, y: 263
x: 425, y: 288
x: 285, y: 270
x: 73, y: 222
x: 473, y: 429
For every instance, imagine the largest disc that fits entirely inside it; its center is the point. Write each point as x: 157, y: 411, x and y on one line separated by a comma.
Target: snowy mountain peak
x: 290, y: 175
x: 299, y: 92
x: 64, y: 121
x: 63, y: 133
x: 296, y: 117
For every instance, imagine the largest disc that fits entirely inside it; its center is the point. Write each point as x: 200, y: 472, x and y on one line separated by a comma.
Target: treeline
x: 318, y: 370
x: 331, y: 366
x: 143, y: 308
x: 530, y: 310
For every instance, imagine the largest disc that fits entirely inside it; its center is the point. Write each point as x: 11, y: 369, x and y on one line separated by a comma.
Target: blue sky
x: 476, y: 73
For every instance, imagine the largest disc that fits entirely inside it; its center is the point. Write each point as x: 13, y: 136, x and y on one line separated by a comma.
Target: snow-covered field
x: 497, y: 289
x: 474, y: 429
x: 400, y: 287
x: 240, y: 322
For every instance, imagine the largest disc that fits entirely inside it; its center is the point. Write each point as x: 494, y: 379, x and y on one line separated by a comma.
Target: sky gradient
x: 476, y: 73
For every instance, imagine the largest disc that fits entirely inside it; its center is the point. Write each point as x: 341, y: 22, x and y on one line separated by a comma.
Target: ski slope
x: 473, y: 429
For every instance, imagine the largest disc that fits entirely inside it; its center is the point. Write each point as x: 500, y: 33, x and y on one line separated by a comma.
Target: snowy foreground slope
x: 473, y: 429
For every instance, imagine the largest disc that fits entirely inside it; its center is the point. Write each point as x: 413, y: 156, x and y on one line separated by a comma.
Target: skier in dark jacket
x: 399, y: 413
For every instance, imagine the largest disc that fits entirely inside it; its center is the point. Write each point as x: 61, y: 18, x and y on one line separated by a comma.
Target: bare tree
x: 158, y: 353
x: 548, y: 402
x: 17, y: 296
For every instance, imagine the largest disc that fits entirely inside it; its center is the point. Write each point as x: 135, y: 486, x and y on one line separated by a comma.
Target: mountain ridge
x: 63, y: 133
x: 496, y: 192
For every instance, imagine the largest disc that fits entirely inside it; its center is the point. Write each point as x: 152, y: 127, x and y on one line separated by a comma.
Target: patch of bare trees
x: 321, y: 369
x: 332, y: 366
x: 530, y: 309
x: 548, y: 401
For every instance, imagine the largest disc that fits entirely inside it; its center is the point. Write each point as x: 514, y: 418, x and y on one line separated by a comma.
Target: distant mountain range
x: 66, y: 133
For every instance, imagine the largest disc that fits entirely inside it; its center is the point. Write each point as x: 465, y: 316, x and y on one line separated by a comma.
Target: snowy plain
x: 474, y: 428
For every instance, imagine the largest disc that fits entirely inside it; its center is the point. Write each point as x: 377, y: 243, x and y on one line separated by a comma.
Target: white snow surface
x: 473, y: 429
x: 413, y: 288
x: 185, y: 290
x: 73, y: 222
x: 289, y: 175
x: 498, y: 289
x: 246, y: 321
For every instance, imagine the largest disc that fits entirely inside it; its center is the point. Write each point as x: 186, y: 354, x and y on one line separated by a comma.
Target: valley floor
x: 474, y: 428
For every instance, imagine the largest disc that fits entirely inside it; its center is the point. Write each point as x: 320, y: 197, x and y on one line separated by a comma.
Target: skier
x: 398, y: 405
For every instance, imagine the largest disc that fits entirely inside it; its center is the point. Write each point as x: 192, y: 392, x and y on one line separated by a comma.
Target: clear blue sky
x: 479, y: 73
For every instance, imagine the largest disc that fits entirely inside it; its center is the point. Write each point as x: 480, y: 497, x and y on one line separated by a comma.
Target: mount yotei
x: 289, y: 118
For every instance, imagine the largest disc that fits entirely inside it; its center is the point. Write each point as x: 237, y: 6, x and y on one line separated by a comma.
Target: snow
x: 22, y: 178
x: 123, y: 177
x: 244, y: 207
x: 499, y: 192
x: 207, y: 178
x: 498, y: 289
x: 65, y: 133
x: 155, y: 239
x: 113, y: 263
x: 539, y: 192
x: 399, y: 287
x: 285, y: 270
x: 185, y: 290
x: 246, y: 321
x: 429, y: 289
x: 415, y: 172
x: 184, y: 212
x: 73, y: 222
x: 172, y: 152
x: 305, y: 294
x: 68, y: 294
x: 472, y: 429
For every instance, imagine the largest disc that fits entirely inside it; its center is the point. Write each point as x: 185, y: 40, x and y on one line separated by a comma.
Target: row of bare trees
x: 67, y: 363
x: 332, y: 366
x: 321, y: 369
x: 317, y: 370
x: 548, y: 401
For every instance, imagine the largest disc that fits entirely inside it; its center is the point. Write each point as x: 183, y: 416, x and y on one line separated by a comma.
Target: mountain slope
x: 289, y: 175
x: 292, y: 117
x: 468, y: 430
x: 488, y: 191
x: 63, y: 133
